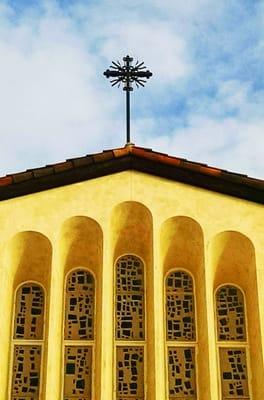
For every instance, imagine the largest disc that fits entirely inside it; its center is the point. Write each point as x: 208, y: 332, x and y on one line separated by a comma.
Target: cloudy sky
x: 205, y: 101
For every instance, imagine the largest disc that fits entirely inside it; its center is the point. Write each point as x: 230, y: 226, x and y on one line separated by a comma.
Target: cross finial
x: 127, y: 74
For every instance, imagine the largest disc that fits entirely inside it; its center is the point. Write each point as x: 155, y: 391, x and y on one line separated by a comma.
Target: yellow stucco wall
x: 217, y: 238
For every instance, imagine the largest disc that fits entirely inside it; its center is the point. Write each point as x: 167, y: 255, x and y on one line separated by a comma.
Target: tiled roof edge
x: 37, y: 179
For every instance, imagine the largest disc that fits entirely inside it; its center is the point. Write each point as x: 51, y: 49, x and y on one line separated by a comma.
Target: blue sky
x: 204, y: 102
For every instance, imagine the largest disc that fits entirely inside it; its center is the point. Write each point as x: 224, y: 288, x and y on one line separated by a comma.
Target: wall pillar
x: 159, y: 317
x: 107, y: 376
x: 6, y: 314
x: 212, y: 348
x: 260, y: 285
x: 55, y: 316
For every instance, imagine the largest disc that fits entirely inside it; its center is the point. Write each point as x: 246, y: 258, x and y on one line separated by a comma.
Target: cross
x: 127, y: 74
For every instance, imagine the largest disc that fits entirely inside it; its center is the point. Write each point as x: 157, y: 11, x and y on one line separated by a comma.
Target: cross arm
x: 142, y: 74
x: 113, y: 74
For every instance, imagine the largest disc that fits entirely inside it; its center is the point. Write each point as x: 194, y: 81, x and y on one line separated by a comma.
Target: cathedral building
x: 131, y: 275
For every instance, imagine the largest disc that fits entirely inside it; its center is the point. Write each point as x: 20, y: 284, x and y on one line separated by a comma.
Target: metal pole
x: 128, y: 115
x: 127, y: 74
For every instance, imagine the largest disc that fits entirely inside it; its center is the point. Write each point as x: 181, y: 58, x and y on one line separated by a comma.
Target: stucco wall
x: 217, y: 238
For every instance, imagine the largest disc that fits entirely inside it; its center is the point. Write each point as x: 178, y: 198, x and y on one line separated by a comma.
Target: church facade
x: 131, y: 275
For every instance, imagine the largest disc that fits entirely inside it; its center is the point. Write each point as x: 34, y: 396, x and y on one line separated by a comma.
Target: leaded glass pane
x: 130, y: 310
x: 29, y: 313
x: 78, y: 373
x: 130, y: 373
x: 79, y: 314
x: 234, y: 376
x: 230, y: 314
x: 181, y: 371
x: 26, y: 372
x: 180, y: 307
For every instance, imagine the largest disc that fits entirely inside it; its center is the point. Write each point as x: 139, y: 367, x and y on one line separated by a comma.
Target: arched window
x: 79, y: 335
x: 28, y: 341
x: 180, y: 335
x: 130, y: 328
x: 232, y: 342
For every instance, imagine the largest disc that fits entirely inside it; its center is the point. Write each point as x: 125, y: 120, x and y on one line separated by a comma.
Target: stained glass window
x: 180, y: 307
x: 230, y: 314
x: 130, y: 326
x: 233, y: 362
x: 181, y: 371
x: 180, y: 329
x: 130, y: 373
x: 79, y: 313
x: 78, y: 372
x: 231, y: 327
x: 130, y: 310
x: 28, y: 342
x: 29, y: 312
x: 79, y: 326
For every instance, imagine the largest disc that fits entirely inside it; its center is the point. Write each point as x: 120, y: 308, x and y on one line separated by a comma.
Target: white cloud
x: 55, y: 102
x: 50, y: 105
x: 154, y: 43
x: 227, y: 144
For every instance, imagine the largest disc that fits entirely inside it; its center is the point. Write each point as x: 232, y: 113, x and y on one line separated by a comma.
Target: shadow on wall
x: 81, y: 247
x: 29, y: 258
x: 132, y: 233
x: 131, y: 226
x: 81, y: 244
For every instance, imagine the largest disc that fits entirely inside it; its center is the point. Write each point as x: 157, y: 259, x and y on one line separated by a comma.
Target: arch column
x: 107, y: 318
x: 159, y: 317
x: 212, y: 350
x: 6, y: 290
x: 260, y: 285
x: 55, y: 315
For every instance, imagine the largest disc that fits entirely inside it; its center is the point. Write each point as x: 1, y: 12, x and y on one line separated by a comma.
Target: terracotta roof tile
x: 22, y: 176
x: 6, y: 180
x: 44, y: 171
x: 253, y: 181
x: 190, y: 166
x: 63, y: 166
x: 104, y: 156
x: 124, y: 151
x: 210, y: 170
x: 81, y: 161
x: 160, y: 157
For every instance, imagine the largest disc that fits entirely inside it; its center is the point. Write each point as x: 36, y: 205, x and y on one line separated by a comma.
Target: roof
x: 135, y: 158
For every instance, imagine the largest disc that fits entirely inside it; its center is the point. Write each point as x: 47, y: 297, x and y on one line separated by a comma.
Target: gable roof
x: 135, y: 158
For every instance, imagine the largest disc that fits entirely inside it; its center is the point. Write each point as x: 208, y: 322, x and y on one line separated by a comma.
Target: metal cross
x: 127, y: 74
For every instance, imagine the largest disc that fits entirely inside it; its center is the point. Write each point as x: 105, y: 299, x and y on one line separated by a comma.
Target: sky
x: 205, y: 101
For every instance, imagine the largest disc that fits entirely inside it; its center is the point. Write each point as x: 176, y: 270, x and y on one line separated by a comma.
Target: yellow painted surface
x: 217, y: 238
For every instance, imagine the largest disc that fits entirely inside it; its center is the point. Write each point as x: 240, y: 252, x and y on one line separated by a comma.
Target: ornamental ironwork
x: 126, y: 75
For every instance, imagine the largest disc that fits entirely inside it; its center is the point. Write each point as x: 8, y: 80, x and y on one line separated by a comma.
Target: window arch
x: 232, y: 342
x: 28, y: 341
x: 180, y: 335
x: 79, y: 324
x: 130, y: 327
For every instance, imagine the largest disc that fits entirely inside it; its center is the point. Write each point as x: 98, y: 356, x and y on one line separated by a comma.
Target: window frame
x: 174, y: 343
x: 130, y: 343
x: 28, y: 342
x: 225, y: 344
x: 80, y: 342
